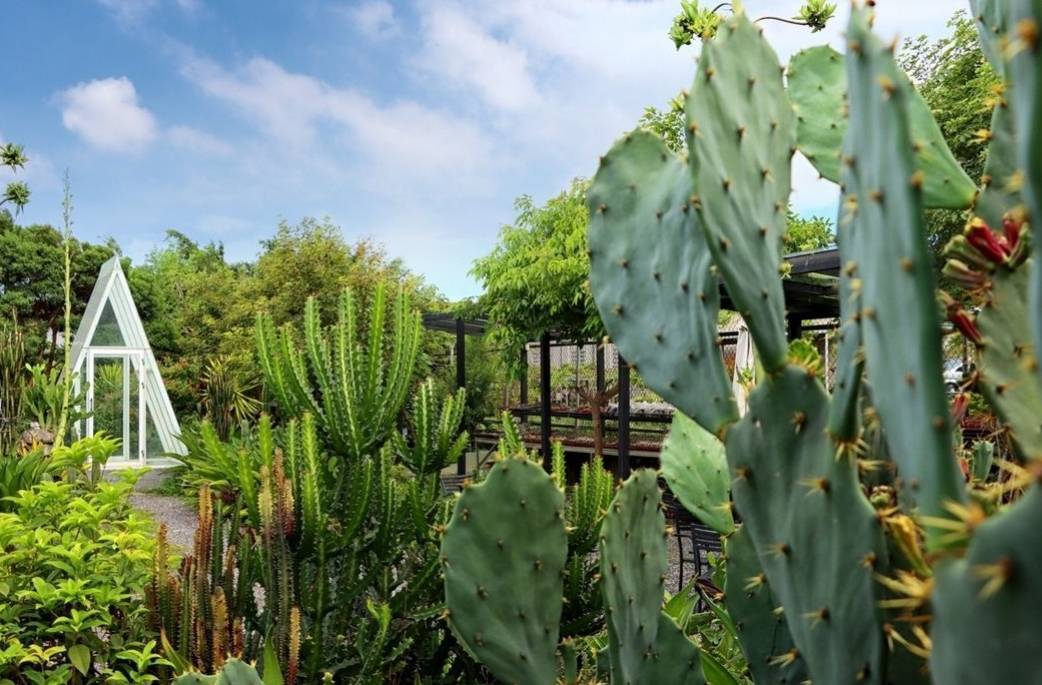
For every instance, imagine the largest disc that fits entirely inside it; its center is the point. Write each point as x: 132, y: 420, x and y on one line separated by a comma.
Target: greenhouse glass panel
x: 116, y: 373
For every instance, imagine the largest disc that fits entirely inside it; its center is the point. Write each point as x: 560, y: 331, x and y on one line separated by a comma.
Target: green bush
x: 74, y: 563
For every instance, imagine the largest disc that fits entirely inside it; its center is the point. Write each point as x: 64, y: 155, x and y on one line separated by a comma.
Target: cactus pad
x: 234, y: 672
x: 816, y: 535
x: 1008, y: 358
x: 503, y: 556
x: 992, y: 20
x: 818, y: 91
x: 895, y: 272
x: 651, y: 276
x: 695, y: 466
x: 763, y: 633
x: 1027, y: 106
x: 741, y: 136
x: 644, y: 644
x: 986, y: 606
x: 817, y: 88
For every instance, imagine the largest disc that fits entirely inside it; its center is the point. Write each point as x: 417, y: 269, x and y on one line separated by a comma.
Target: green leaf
x: 79, y: 655
x: 714, y: 671
x: 272, y: 673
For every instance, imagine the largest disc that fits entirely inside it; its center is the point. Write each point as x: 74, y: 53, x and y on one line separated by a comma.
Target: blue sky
x: 413, y: 123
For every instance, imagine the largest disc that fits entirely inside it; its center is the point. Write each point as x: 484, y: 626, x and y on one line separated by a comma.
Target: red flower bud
x: 987, y: 242
x: 959, y: 271
x: 960, y: 405
x: 962, y: 319
x: 1011, y: 230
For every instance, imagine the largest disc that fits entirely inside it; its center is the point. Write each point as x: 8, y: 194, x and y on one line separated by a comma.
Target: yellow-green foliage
x: 75, y: 563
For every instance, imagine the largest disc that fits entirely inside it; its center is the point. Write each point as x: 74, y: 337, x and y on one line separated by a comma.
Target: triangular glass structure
x: 113, y: 364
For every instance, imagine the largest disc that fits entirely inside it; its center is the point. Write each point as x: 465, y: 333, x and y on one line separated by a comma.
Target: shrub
x: 75, y: 560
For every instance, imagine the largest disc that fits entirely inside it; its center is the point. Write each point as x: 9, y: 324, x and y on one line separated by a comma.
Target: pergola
x: 811, y: 293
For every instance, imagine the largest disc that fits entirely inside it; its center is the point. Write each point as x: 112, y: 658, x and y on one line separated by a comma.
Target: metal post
x: 524, y: 376
x: 600, y: 368
x: 795, y: 326
x: 524, y: 383
x: 623, y: 468
x: 461, y: 380
x: 544, y: 398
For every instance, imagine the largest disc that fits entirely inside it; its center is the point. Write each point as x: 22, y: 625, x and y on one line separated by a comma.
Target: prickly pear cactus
x: 645, y: 646
x: 741, y: 135
x: 986, y: 606
x: 992, y: 268
x: 1026, y: 71
x: 695, y: 466
x: 234, y: 672
x: 818, y: 539
x: 817, y: 82
x: 762, y: 630
x: 894, y: 272
x: 503, y: 557
x: 817, y: 87
x: 851, y: 581
x: 652, y: 277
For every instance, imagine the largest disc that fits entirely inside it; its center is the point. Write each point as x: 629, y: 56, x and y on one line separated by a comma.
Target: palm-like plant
x: 226, y: 398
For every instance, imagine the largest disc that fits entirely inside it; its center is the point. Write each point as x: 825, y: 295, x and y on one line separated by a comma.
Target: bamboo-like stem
x: 66, y: 375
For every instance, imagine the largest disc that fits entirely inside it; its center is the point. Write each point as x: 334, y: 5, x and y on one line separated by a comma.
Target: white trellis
x: 111, y: 352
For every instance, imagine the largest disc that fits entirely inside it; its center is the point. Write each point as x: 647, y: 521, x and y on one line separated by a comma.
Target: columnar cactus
x: 355, y: 386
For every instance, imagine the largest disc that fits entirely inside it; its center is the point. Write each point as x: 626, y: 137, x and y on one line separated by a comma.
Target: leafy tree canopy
x: 536, y: 278
x: 959, y: 85
x: 32, y: 281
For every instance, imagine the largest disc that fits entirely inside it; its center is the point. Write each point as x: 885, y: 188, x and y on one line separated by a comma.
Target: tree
x: 312, y: 258
x: 536, y: 278
x: 805, y: 234
x: 958, y: 84
x: 17, y: 192
x: 32, y: 281
x: 199, y: 310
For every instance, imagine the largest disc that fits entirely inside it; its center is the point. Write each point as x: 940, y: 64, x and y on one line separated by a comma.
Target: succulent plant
x: 852, y: 580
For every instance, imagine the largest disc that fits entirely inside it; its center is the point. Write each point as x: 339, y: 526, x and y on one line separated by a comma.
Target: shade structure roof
x: 811, y: 292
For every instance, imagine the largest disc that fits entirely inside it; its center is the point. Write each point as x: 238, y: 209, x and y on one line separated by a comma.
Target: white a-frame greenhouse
x: 113, y: 363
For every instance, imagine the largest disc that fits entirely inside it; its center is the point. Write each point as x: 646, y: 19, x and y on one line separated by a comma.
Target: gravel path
x: 179, y: 517
x: 181, y: 522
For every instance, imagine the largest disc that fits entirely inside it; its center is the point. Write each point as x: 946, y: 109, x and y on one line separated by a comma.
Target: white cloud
x: 129, y: 11
x: 374, y: 18
x: 305, y: 115
x: 201, y: 142
x: 466, y: 56
x: 106, y: 114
